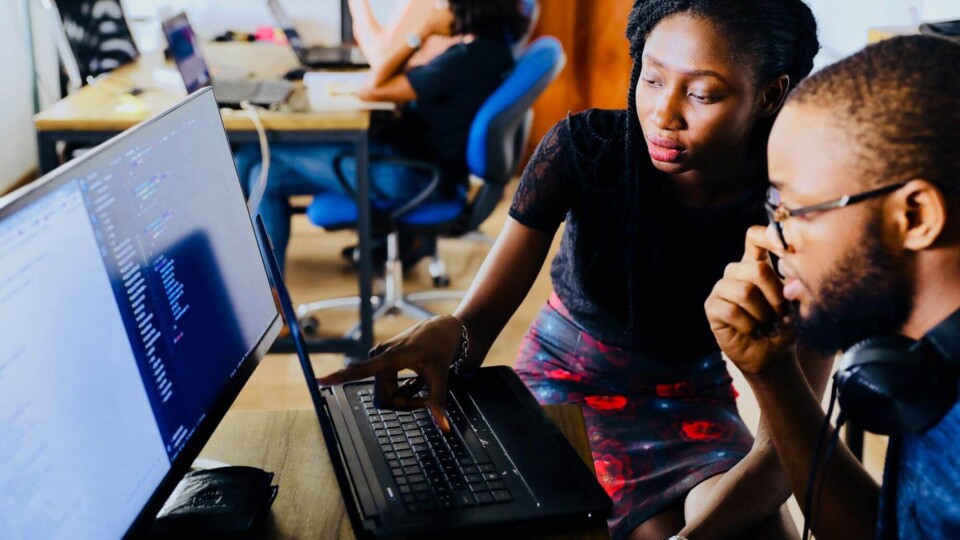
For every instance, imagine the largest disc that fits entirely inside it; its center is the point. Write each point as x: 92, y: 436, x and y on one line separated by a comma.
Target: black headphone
x: 892, y: 385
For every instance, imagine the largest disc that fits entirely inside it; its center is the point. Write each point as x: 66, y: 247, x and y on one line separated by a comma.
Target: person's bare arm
x: 756, y: 332
x: 756, y: 488
x: 375, y: 40
x: 387, y: 81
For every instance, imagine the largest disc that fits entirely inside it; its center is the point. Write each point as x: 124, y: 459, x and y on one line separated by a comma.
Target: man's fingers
x: 722, y: 313
x: 761, y: 275
x: 749, y: 297
x: 757, y: 247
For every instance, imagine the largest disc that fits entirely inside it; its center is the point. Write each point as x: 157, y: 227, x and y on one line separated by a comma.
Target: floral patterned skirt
x: 656, y: 428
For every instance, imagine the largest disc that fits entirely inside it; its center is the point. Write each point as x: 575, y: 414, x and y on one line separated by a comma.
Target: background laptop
x: 134, y: 305
x: 505, y: 466
x: 185, y: 50
x: 318, y: 56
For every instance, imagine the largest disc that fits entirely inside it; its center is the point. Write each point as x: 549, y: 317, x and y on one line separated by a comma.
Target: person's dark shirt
x: 920, y: 497
x: 577, y: 174
x: 450, y: 90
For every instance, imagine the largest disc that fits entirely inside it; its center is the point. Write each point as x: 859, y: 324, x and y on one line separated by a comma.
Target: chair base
x: 394, y: 301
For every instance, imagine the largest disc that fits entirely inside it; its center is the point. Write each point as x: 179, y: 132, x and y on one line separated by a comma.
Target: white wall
x: 844, y: 23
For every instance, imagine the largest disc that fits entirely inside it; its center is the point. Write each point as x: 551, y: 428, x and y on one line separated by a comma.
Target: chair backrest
x: 93, y: 37
x: 501, y: 127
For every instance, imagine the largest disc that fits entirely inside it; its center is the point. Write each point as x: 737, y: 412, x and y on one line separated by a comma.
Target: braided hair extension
x: 774, y: 37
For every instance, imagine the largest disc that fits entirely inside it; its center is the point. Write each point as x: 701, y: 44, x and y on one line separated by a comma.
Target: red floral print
x: 562, y: 375
x: 674, y: 390
x: 614, y: 472
x: 701, y: 430
x: 606, y: 403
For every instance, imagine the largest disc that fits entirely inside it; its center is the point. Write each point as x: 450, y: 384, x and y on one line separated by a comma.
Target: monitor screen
x: 185, y: 50
x: 134, y: 304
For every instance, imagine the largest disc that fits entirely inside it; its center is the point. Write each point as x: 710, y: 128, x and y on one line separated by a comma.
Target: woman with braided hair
x: 657, y: 199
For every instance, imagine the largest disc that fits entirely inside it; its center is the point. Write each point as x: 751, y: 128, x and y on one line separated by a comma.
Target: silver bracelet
x: 677, y: 537
x: 457, y: 366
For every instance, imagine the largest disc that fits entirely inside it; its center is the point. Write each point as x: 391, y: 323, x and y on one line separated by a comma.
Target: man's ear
x: 921, y: 214
x: 772, y: 95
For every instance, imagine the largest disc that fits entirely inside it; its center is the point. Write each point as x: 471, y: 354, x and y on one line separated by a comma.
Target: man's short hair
x: 900, y: 101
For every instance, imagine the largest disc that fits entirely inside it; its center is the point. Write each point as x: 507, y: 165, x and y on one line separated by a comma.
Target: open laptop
x: 134, y: 305
x: 318, y: 56
x: 185, y: 50
x: 505, y: 466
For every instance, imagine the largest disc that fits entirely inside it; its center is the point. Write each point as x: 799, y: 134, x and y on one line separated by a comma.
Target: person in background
x: 439, y: 100
x: 881, y: 128
x: 375, y: 40
x: 657, y: 198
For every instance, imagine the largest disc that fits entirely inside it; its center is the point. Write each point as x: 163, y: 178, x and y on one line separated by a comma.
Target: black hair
x: 898, y: 100
x: 489, y: 17
x: 774, y: 37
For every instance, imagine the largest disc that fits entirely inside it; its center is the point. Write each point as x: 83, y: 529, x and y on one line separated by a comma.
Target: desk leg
x: 47, y: 150
x: 364, y: 241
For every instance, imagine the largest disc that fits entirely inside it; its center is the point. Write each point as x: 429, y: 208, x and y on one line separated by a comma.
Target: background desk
x: 97, y: 112
x: 309, y: 504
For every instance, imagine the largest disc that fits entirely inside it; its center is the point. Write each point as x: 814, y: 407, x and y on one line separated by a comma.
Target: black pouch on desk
x: 228, y: 502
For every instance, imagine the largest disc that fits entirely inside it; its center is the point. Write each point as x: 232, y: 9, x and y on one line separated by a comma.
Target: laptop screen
x: 186, y: 52
x: 134, y: 304
x: 287, y: 25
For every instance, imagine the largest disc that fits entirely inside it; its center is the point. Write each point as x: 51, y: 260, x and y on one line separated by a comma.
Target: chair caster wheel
x: 310, y: 325
x: 441, y: 281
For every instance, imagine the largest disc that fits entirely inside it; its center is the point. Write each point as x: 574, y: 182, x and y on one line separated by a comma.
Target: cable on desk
x: 256, y: 193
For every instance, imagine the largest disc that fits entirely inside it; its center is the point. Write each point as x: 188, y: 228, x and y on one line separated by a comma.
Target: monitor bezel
x: 19, y: 198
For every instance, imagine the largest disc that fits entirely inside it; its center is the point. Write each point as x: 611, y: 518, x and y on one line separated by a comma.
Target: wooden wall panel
x: 597, y: 73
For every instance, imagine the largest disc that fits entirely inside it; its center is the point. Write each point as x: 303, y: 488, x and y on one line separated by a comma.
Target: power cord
x: 257, y: 191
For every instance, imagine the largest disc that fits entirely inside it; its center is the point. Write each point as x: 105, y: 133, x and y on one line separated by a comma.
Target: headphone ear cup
x: 885, y: 387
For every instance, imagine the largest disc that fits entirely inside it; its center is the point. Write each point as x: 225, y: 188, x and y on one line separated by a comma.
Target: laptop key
x: 419, y: 486
x: 414, y: 478
x: 406, y: 462
x: 478, y: 487
x: 393, y: 463
x: 413, y: 440
x: 487, y: 467
x: 404, y: 454
x: 470, y: 469
x: 397, y: 472
x: 389, y: 455
x: 502, y: 495
x: 464, y: 499
x: 411, y: 470
x: 484, y: 498
x: 497, y: 485
x: 473, y: 478
x: 491, y: 476
x: 405, y: 489
x: 400, y: 480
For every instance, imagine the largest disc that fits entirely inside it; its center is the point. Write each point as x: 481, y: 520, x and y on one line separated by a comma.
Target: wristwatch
x: 414, y: 41
x: 676, y: 537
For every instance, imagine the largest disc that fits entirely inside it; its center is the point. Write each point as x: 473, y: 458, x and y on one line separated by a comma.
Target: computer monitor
x: 185, y: 49
x: 134, y: 305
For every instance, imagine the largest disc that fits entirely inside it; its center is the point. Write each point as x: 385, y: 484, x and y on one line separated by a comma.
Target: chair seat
x: 335, y: 210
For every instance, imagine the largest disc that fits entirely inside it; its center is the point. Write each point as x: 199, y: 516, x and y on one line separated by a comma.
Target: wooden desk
x: 97, y: 112
x: 309, y: 504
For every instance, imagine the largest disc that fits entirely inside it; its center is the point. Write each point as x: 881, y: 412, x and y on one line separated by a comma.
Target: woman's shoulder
x: 589, y: 135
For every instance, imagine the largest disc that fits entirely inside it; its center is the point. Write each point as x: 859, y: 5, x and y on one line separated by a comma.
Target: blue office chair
x: 498, y: 136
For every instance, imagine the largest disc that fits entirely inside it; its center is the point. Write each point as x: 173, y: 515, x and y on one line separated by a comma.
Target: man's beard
x: 869, y: 293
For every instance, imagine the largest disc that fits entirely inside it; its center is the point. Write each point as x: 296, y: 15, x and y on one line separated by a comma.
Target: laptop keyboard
x: 252, y: 91
x: 433, y: 471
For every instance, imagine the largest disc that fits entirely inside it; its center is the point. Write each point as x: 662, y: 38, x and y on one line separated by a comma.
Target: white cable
x: 257, y: 191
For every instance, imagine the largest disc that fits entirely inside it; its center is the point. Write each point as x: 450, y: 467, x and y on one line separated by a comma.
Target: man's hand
x: 748, y: 313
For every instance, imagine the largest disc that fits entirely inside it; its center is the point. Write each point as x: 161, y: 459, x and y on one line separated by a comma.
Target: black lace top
x: 577, y: 175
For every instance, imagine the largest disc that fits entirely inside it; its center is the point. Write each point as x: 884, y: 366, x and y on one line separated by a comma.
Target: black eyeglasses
x: 778, y: 213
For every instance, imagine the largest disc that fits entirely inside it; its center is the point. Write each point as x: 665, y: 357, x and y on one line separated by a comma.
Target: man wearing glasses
x: 864, y: 241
